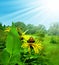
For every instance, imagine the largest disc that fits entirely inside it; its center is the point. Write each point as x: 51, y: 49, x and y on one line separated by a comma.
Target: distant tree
x: 20, y: 25
x: 31, y: 29
x: 41, y: 30
x: 4, y: 26
x: 29, y: 26
x: 54, y: 29
x: 1, y: 26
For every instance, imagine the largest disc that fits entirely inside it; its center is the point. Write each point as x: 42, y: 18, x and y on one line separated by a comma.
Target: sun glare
x: 51, y: 5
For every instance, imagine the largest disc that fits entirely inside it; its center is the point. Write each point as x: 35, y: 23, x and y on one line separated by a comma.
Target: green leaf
x: 5, y: 57
x: 14, y: 60
x: 13, y: 42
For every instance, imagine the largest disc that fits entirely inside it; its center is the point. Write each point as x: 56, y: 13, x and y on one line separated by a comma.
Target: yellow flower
x: 7, y: 29
x: 36, y: 47
x: 26, y: 37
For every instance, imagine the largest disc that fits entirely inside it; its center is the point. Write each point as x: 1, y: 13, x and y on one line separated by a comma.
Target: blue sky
x: 34, y: 12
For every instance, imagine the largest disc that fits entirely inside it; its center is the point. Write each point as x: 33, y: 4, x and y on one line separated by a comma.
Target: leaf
x: 13, y: 42
x: 5, y: 57
x: 14, y: 60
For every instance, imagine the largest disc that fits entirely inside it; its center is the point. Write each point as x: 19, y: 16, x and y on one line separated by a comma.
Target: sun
x: 51, y: 5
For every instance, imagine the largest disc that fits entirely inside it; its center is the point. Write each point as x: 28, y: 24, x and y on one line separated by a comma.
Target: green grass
x: 52, y: 50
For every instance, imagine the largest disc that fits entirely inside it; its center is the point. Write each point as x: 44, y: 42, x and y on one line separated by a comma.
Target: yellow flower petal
x: 7, y: 29
x: 24, y: 45
x: 35, y: 48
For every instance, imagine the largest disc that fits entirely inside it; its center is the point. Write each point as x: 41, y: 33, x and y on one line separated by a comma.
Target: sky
x: 35, y: 12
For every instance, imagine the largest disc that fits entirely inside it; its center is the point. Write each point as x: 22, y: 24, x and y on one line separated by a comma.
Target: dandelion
x: 31, y: 44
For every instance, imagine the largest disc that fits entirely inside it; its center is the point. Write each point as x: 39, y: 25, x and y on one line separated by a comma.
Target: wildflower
x: 32, y: 44
x: 7, y: 29
x: 23, y: 36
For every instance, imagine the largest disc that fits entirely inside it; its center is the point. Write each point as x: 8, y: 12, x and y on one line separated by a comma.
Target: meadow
x: 22, y: 44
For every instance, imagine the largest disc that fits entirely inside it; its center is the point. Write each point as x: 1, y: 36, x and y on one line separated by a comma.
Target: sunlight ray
x: 34, y: 15
x: 16, y: 13
x: 30, y: 11
x: 13, y: 14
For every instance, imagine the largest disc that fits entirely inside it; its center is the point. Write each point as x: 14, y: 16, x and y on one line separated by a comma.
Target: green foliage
x: 38, y: 30
x: 12, y: 51
x: 13, y: 54
x: 54, y: 29
x: 13, y: 43
x: 1, y: 26
x: 41, y: 31
x: 20, y: 25
x: 5, y: 57
x: 54, y: 40
x: 31, y: 29
x: 2, y: 40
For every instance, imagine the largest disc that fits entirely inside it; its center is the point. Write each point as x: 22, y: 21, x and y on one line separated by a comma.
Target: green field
x: 43, y: 51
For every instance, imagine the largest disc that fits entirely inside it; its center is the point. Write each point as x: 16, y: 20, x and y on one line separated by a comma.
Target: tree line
x: 37, y: 30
